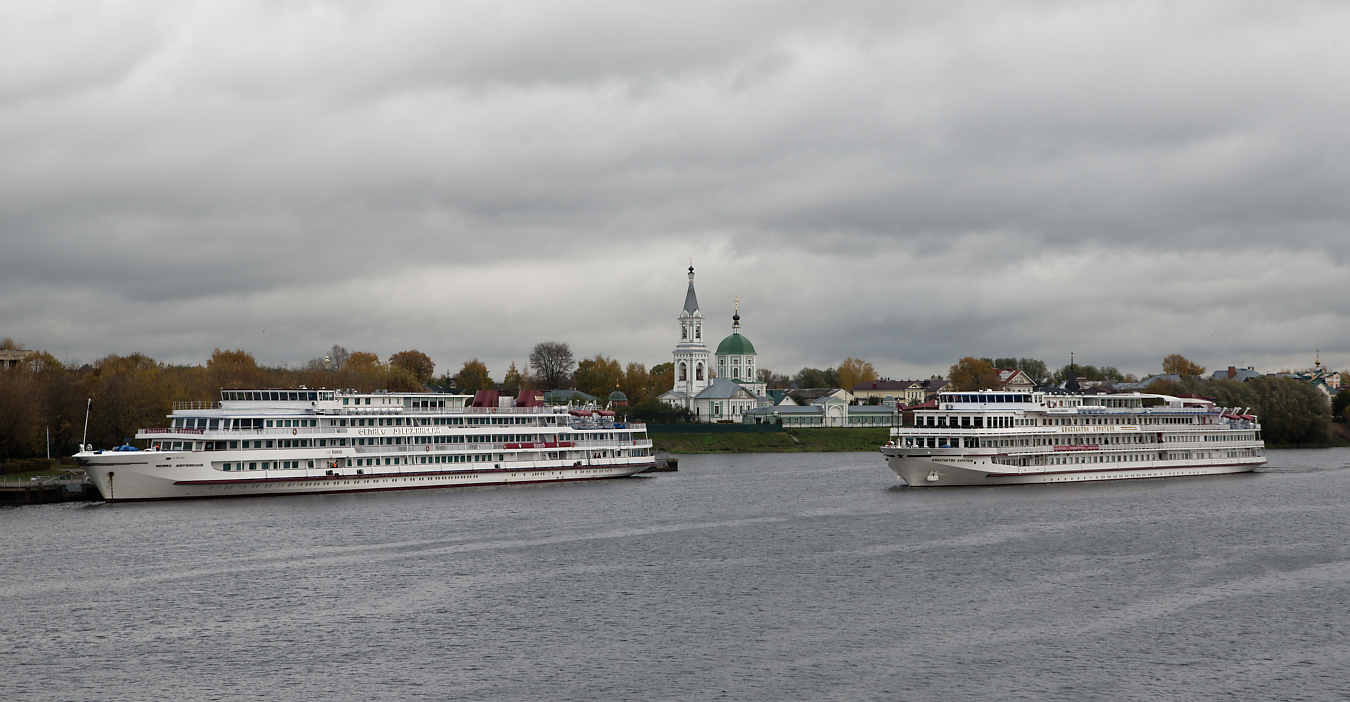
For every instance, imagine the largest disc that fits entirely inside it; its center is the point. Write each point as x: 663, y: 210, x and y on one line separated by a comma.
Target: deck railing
x: 196, y: 405
x: 343, y: 431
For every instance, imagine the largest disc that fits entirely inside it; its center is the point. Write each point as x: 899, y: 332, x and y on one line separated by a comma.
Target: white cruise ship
x: 1000, y: 438
x: 301, y: 441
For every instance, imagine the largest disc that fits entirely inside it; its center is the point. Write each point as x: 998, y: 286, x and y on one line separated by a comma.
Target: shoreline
x: 820, y: 440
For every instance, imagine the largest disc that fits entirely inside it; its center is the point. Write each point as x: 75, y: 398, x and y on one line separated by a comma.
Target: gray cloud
x: 908, y: 183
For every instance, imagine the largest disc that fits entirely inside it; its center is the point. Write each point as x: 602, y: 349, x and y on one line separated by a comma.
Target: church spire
x: 690, y: 299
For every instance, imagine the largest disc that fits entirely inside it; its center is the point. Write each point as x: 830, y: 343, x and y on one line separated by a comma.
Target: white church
x: 716, y: 387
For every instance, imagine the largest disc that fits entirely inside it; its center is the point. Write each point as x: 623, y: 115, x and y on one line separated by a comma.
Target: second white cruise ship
x: 1000, y: 438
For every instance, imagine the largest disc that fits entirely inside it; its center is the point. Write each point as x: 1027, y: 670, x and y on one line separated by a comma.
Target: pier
x: 72, y: 486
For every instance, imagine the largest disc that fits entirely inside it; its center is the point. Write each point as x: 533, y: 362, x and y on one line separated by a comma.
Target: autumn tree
x: 971, y: 374
x: 854, y: 372
x: 552, y: 363
x: 415, y: 362
x: 362, y: 359
x: 663, y: 378
x: 363, y: 371
x: 473, y: 376
x: 638, y: 384
x: 129, y: 393
x: 401, y: 380
x: 234, y: 369
x: 514, y: 381
x: 18, y: 413
x: 1176, y: 364
x: 59, y: 399
x: 598, y: 376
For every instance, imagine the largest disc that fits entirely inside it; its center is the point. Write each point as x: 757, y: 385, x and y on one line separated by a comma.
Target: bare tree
x: 552, y: 362
x: 338, y: 356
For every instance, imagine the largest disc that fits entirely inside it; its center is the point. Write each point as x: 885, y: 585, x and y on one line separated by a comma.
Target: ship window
x: 253, y: 466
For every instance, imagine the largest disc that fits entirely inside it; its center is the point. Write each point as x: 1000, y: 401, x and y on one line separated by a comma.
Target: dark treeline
x: 42, y: 398
x: 1292, y: 412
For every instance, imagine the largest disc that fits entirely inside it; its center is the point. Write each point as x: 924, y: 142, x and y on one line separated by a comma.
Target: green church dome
x: 735, y: 345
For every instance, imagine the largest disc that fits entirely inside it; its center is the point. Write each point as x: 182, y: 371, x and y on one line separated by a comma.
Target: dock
x: 665, y: 463
x: 72, y: 486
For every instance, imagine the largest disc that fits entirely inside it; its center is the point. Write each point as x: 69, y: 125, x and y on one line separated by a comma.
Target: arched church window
x: 698, y: 372
x: 698, y: 332
x: 683, y: 373
x: 684, y: 332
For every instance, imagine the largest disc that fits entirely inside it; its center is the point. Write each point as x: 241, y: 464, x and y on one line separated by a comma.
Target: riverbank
x: 838, y: 439
x: 789, y: 441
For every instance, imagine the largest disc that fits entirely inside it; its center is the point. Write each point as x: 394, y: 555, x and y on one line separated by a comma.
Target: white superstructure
x: 997, y: 438
x: 298, y: 441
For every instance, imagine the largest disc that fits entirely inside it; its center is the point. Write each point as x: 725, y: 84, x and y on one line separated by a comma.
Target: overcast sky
x: 906, y: 183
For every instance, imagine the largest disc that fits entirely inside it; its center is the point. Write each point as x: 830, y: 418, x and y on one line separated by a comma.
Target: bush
x: 653, y: 411
x: 28, y: 465
x: 1340, y: 403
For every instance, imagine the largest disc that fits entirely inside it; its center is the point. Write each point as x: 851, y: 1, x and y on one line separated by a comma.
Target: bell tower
x: 692, y: 369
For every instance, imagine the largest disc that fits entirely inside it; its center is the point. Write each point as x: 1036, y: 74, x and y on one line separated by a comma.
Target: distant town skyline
x: 902, y: 183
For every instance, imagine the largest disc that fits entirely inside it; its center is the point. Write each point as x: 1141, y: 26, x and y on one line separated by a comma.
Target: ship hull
x: 919, y: 470
x: 149, y: 475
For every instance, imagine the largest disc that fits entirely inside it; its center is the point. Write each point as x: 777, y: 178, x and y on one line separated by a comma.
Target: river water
x: 744, y: 577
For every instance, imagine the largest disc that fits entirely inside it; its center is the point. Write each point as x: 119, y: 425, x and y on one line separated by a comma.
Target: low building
x: 906, y: 391
x: 11, y: 358
x: 1235, y: 373
x: 568, y: 397
x: 909, y: 392
x: 724, y: 400
x: 932, y: 387
x: 1015, y: 379
x: 807, y: 396
x: 826, y: 411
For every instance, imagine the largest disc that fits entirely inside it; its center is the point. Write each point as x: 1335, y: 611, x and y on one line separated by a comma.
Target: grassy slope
x: 35, y: 467
x: 791, y: 441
